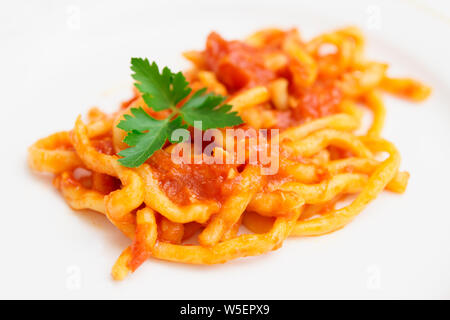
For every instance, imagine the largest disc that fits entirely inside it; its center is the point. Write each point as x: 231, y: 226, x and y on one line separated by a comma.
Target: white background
x: 58, y: 58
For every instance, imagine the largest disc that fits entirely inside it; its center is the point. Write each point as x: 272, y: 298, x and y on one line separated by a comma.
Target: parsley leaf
x: 145, y: 136
x: 203, y: 107
x: 162, y: 91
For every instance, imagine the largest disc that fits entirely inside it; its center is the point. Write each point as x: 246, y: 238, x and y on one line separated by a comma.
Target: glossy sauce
x: 235, y: 63
x: 240, y: 66
x: 184, y: 183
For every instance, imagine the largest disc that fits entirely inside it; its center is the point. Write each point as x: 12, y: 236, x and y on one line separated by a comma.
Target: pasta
x: 314, y: 92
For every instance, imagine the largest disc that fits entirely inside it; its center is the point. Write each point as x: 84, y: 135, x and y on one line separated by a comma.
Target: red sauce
x: 184, y: 182
x: 240, y: 66
x: 320, y: 100
x: 104, y: 145
x: 339, y: 153
x: 235, y: 63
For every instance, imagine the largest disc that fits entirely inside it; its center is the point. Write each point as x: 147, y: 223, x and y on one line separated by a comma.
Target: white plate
x: 58, y: 59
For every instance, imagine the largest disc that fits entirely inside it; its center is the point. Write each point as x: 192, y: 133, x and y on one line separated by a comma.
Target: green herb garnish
x: 162, y: 91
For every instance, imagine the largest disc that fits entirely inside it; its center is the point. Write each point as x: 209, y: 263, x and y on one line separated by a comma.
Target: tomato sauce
x: 235, y: 63
x: 240, y: 66
x: 184, y: 183
x: 104, y: 145
x: 320, y: 100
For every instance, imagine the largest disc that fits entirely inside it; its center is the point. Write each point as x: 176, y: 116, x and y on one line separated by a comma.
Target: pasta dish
x: 310, y: 96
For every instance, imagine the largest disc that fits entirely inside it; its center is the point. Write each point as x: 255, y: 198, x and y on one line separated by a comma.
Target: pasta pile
x: 313, y: 91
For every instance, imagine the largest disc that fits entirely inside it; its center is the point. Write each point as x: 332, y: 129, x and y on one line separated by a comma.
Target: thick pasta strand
x: 242, y: 246
x: 377, y: 182
x: 233, y: 207
x: 373, y: 100
x: 321, y: 139
x: 119, y: 203
x: 78, y: 197
x: 144, y: 239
